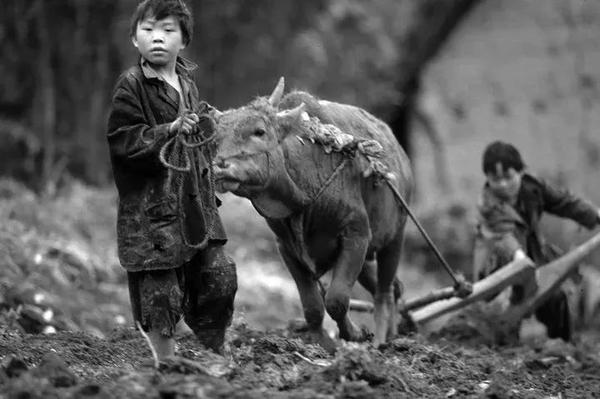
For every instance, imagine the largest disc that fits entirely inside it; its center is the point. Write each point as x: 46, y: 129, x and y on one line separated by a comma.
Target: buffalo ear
x: 291, y: 116
x: 275, y: 97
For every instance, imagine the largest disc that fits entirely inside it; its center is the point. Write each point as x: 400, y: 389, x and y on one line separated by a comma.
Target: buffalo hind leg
x: 385, y: 304
x: 337, y: 299
x: 368, y: 279
x: 312, y: 302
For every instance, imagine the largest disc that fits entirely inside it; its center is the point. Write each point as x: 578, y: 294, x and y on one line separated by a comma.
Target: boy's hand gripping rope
x: 182, y: 148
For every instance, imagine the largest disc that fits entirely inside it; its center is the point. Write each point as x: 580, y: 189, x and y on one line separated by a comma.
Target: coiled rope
x: 177, y: 155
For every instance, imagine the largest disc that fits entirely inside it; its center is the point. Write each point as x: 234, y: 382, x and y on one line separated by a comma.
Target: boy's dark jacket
x: 519, y: 226
x: 149, y: 232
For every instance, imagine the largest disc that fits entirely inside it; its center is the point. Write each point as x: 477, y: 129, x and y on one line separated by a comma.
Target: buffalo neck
x: 280, y: 197
x: 298, y: 169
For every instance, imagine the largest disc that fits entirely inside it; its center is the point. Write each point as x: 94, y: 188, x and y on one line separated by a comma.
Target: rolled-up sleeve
x: 131, y: 138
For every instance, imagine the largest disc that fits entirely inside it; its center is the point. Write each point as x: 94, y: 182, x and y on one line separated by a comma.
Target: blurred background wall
x: 526, y: 72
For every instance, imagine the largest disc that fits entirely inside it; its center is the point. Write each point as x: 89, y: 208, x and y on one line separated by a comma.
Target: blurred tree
x: 62, y: 57
x: 376, y: 52
x: 242, y: 47
x: 431, y: 24
x: 45, y: 93
x: 56, y: 80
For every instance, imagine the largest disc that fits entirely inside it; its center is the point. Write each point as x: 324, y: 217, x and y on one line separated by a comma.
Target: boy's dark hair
x: 503, y: 153
x: 161, y: 9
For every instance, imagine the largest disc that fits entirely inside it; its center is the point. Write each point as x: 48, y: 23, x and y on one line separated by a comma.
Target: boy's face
x: 159, y: 42
x: 505, y: 183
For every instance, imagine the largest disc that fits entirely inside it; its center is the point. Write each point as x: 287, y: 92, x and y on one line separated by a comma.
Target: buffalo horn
x: 275, y: 97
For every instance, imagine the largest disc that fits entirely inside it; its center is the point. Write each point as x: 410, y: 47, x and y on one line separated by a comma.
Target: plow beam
x: 552, y: 275
x: 507, y: 275
x: 444, y: 300
x: 433, y: 296
x: 410, y: 304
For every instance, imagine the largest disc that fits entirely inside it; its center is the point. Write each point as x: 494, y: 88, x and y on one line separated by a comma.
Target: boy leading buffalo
x: 170, y: 236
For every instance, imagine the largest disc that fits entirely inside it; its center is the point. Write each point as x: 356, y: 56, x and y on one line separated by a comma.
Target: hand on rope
x: 192, y: 130
x: 185, y: 123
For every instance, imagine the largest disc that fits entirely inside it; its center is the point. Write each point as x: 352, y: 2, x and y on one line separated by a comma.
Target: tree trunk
x: 433, y: 23
x: 46, y: 98
x: 440, y: 160
x: 79, y: 89
x: 95, y: 169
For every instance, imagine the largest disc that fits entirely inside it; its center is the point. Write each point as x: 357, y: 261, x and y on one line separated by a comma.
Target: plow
x: 416, y: 312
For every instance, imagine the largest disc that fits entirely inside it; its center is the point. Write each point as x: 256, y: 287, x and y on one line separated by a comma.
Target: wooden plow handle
x: 553, y: 274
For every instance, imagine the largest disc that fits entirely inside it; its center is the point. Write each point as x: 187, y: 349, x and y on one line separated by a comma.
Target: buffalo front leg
x: 345, y: 273
x: 385, y: 303
x: 312, y: 301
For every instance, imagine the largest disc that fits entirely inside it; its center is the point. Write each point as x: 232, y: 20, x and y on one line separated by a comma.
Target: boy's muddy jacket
x: 149, y: 228
x: 504, y: 228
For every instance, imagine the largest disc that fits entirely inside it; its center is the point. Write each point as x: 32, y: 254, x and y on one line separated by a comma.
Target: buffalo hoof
x: 298, y: 326
x: 356, y: 334
x: 364, y: 335
x: 321, y: 338
x: 299, y: 329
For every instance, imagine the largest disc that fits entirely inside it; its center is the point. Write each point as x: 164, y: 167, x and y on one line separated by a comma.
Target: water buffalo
x: 326, y: 217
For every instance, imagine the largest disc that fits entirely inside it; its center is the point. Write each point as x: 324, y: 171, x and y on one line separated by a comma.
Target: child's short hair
x: 504, y: 154
x: 160, y: 9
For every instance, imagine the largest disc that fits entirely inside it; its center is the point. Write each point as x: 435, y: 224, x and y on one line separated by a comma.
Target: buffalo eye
x: 259, y: 132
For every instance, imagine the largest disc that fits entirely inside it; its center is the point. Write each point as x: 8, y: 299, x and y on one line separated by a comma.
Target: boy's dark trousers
x: 202, y: 291
x: 556, y: 316
x: 555, y: 312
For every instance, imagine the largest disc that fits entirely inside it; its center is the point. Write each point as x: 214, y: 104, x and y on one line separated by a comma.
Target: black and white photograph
x: 299, y: 199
